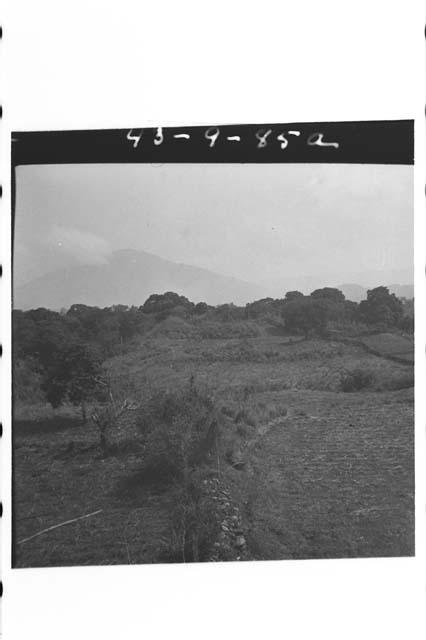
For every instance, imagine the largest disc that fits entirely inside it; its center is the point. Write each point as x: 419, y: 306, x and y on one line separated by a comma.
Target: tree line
x: 66, y: 349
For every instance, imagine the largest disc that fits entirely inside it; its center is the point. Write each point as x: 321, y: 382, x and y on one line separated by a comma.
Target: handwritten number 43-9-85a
x: 263, y: 137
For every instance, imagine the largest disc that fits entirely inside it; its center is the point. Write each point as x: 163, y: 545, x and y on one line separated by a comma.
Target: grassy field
x: 324, y: 473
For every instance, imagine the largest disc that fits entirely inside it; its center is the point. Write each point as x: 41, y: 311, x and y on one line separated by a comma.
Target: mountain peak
x: 130, y: 277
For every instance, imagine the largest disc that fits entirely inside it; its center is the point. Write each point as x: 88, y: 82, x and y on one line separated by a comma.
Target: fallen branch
x: 55, y: 526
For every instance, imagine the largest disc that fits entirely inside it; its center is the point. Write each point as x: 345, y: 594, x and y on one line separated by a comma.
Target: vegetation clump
x: 179, y: 429
x: 181, y: 432
x: 356, y: 380
x: 381, y: 308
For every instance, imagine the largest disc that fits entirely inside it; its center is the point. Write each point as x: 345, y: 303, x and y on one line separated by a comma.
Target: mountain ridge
x: 130, y: 276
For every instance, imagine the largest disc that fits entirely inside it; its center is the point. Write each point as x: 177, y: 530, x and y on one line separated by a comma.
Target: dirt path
x: 403, y: 357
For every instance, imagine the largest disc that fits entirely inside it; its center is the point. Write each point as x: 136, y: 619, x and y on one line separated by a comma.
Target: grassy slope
x: 327, y: 474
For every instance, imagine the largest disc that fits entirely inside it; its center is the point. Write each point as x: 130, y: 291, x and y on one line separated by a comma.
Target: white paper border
x: 94, y: 65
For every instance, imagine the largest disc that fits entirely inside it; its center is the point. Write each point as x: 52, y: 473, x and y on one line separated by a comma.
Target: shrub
x: 356, y: 380
x: 179, y: 430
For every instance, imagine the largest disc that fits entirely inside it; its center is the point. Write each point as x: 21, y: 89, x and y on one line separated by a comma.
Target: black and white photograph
x: 212, y: 320
x: 213, y: 360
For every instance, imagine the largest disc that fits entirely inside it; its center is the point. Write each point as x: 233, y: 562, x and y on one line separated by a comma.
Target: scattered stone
x: 230, y: 543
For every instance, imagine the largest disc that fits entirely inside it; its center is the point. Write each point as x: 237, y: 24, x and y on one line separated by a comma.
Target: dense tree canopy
x: 165, y: 302
x: 381, y: 308
x: 328, y: 293
x: 73, y: 376
x: 201, y: 308
x: 262, y: 307
x: 305, y: 315
x: 293, y: 295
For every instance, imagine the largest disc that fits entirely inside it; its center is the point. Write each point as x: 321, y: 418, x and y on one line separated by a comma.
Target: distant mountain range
x: 130, y: 277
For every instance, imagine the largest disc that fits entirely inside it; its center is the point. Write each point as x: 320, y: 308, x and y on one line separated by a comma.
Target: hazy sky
x: 253, y: 222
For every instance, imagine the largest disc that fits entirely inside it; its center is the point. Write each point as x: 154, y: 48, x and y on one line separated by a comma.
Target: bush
x: 179, y: 430
x: 356, y: 380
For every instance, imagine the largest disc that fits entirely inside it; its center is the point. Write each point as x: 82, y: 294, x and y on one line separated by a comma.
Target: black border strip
x: 362, y: 142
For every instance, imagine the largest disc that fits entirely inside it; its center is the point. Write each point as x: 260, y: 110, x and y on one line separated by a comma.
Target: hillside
x: 130, y: 277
